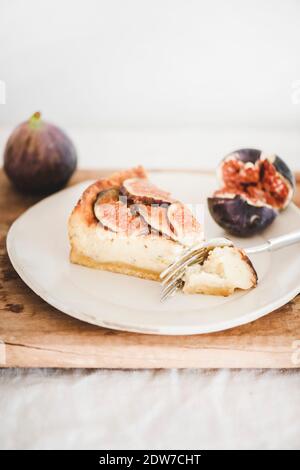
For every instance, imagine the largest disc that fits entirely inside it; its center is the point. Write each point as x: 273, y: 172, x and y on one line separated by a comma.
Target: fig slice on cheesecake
x: 141, y: 190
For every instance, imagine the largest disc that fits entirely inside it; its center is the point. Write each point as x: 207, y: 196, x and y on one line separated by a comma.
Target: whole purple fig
x: 39, y: 158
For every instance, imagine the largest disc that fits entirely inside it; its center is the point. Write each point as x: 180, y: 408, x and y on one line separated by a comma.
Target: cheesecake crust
x: 79, y: 258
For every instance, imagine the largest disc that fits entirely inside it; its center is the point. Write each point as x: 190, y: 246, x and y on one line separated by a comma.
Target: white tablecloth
x: 188, y: 409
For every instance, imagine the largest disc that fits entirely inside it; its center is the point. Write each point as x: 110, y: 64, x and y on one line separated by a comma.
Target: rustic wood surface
x: 34, y: 334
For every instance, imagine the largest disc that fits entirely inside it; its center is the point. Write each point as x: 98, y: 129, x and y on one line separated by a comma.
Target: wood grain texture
x: 37, y: 335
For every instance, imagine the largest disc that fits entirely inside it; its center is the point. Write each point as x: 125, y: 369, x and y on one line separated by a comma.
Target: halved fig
x: 117, y: 217
x: 140, y: 190
x: 184, y: 223
x: 156, y: 217
x: 254, y: 188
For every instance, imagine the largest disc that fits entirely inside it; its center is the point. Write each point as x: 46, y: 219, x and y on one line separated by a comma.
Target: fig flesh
x: 185, y: 225
x: 156, y: 217
x: 117, y: 217
x: 39, y: 158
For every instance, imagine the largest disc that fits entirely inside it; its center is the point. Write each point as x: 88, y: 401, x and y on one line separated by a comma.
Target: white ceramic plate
x: 38, y: 247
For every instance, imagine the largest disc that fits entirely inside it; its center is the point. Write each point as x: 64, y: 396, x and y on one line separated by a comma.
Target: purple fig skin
x: 238, y: 217
x: 39, y: 158
x: 284, y: 170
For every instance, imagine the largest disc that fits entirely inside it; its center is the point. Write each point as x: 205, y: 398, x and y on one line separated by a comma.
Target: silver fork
x: 172, y: 277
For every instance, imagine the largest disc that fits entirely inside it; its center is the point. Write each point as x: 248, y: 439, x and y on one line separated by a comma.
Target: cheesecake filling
x: 148, y: 252
x: 225, y: 270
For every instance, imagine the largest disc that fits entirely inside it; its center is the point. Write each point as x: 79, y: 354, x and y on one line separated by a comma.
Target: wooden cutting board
x: 34, y: 334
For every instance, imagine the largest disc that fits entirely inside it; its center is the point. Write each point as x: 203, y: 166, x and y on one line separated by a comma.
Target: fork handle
x: 276, y: 243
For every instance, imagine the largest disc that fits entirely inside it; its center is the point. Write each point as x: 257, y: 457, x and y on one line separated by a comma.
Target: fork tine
x: 172, y: 277
x: 170, y: 288
x: 180, y: 266
x: 179, y: 273
x: 178, y: 277
x: 186, y: 253
x: 166, y: 293
x: 207, y: 246
x: 178, y: 263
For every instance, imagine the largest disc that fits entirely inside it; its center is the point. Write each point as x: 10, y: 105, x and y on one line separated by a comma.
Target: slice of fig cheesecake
x: 126, y: 224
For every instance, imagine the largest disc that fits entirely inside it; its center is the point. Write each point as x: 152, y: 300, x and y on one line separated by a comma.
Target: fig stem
x: 35, y: 120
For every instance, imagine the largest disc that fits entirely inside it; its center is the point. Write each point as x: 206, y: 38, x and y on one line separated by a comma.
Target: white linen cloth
x: 163, y: 409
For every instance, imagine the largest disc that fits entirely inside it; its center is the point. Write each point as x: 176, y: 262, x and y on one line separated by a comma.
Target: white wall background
x: 162, y: 82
